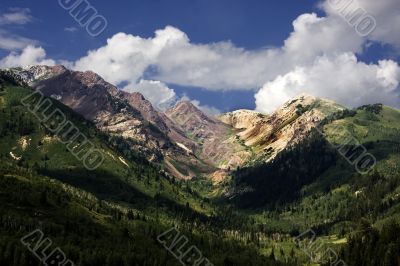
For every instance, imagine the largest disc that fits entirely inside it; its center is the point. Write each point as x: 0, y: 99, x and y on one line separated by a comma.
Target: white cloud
x: 341, y: 78
x: 334, y: 71
x: 325, y: 42
x: 158, y: 93
x: 314, y: 36
x: 30, y: 55
x: 125, y: 58
x: 219, y: 65
x: 385, y: 12
x: 16, y: 16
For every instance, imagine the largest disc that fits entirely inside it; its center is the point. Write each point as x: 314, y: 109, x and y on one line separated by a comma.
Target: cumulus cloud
x: 334, y: 71
x: 219, y: 65
x: 386, y: 13
x: 30, y: 55
x: 126, y: 57
x: 158, y: 93
x: 341, y: 78
x: 325, y: 42
x: 313, y: 36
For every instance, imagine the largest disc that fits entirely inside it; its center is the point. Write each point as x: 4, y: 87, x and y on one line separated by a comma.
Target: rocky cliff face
x: 269, y: 135
x: 242, y: 119
x: 213, y: 140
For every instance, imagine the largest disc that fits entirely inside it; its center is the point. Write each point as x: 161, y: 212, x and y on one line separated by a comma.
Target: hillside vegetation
x: 113, y: 214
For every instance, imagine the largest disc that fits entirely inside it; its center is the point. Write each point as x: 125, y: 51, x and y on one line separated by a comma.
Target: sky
x: 222, y: 55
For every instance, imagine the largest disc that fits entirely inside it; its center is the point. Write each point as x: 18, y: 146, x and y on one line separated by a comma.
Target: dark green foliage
x: 281, y: 180
x: 93, y: 232
x: 373, y: 108
x: 369, y: 246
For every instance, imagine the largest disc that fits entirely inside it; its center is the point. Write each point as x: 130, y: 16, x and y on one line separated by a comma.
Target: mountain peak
x: 33, y: 73
x: 186, y: 108
x: 185, y: 104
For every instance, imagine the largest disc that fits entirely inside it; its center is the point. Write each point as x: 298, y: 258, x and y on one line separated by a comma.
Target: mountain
x: 269, y: 135
x: 331, y: 156
x: 241, y: 187
x: 98, y: 101
x: 114, y: 111
x: 184, y: 139
x: 168, y: 138
x: 213, y: 140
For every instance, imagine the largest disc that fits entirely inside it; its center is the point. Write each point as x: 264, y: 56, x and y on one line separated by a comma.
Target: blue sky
x: 250, y: 25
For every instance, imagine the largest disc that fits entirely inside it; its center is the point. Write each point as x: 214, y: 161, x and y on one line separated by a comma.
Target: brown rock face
x: 112, y: 110
x: 214, y: 141
x: 145, y: 108
x: 242, y: 119
x: 193, y: 121
x: 269, y: 135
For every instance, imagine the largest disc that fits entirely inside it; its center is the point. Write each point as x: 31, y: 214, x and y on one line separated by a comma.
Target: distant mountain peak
x: 184, y: 106
x: 186, y: 109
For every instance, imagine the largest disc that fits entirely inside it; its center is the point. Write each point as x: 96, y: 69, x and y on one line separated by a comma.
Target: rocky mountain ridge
x: 183, y: 138
x: 269, y: 135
